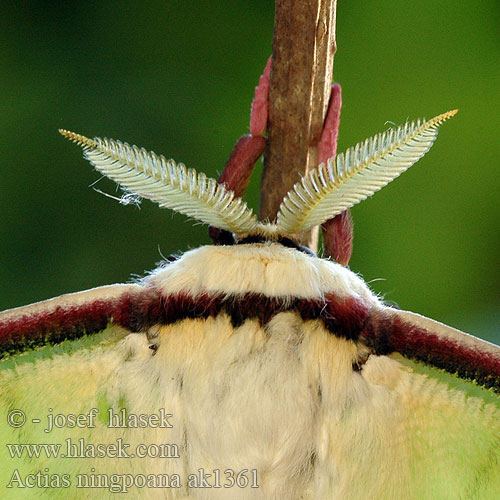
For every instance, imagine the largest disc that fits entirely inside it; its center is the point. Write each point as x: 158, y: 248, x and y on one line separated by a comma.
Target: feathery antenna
x: 169, y: 184
x: 325, y: 192
x: 356, y: 174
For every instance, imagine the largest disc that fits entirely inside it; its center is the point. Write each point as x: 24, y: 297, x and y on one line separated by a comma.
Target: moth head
x: 320, y: 195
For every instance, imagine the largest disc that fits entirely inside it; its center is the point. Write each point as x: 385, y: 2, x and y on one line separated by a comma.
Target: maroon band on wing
x: 342, y: 316
x: 386, y: 333
x: 55, y: 323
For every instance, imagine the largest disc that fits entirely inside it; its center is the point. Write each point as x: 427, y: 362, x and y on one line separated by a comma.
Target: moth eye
x: 254, y: 238
x: 307, y: 250
x: 287, y: 242
x: 221, y: 236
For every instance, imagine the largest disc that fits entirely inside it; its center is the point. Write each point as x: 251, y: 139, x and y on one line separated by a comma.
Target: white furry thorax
x: 270, y: 269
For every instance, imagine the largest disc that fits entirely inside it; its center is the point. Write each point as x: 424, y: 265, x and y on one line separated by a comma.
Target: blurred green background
x: 177, y: 77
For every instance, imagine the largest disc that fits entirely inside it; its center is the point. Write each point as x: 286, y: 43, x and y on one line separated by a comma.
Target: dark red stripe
x: 344, y: 317
x: 386, y: 333
x: 52, y: 326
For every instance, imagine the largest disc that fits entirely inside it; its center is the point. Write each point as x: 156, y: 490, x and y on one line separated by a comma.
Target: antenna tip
x: 448, y: 114
x: 437, y: 120
x: 81, y: 140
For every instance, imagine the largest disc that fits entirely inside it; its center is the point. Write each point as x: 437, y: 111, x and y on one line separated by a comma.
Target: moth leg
x: 247, y: 150
x: 260, y: 104
x: 337, y: 232
x: 239, y: 167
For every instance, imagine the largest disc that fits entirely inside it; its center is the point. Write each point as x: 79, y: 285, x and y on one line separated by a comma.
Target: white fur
x: 282, y: 398
x: 268, y: 268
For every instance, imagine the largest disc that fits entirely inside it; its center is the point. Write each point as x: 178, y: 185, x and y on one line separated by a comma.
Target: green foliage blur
x: 177, y: 77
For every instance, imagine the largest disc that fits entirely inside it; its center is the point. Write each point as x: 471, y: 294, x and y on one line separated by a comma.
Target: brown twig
x: 301, y: 74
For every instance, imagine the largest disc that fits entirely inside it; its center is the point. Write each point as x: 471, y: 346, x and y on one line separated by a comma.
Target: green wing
x: 59, y: 380
x: 444, y: 442
x: 393, y: 430
x: 68, y: 379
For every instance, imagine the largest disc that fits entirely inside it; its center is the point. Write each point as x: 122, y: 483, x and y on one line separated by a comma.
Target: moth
x: 250, y: 368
